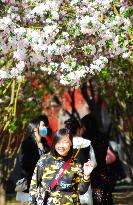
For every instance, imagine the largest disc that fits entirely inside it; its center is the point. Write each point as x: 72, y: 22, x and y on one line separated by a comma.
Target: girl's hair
x: 44, y: 118
x: 72, y: 124
x: 58, y: 136
x: 33, y: 124
x: 36, y: 122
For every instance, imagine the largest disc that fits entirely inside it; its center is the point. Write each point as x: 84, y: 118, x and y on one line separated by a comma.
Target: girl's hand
x: 88, y: 167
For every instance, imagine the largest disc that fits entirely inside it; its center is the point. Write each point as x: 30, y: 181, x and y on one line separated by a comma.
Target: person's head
x: 73, y: 126
x: 88, y: 126
x: 42, y: 124
x: 62, y: 143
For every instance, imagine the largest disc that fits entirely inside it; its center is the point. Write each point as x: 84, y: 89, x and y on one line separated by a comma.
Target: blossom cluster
x: 68, y: 39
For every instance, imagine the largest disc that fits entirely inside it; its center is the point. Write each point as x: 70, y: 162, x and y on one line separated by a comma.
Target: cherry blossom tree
x: 63, y: 42
x: 68, y: 39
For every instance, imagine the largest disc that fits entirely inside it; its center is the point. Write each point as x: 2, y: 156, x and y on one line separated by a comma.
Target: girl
x: 60, y: 164
x: 35, y: 145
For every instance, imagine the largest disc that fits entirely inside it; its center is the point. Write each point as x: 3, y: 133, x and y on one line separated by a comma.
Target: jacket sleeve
x: 33, y: 187
x: 81, y: 182
x: 36, y: 180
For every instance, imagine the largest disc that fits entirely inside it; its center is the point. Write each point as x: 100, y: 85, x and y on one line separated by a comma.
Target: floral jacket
x: 69, y: 186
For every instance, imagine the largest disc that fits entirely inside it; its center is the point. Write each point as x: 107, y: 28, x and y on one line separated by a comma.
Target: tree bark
x: 2, y: 195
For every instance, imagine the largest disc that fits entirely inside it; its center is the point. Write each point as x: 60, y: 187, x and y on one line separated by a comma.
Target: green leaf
x: 128, y: 13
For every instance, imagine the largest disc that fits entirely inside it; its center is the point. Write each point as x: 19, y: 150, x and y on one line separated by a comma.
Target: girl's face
x: 42, y: 124
x: 43, y: 131
x: 62, y: 147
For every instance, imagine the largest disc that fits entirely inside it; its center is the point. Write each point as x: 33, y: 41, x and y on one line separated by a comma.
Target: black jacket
x: 29, y: 155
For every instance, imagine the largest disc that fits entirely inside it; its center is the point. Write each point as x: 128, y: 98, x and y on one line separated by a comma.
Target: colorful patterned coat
x: 68, y: 187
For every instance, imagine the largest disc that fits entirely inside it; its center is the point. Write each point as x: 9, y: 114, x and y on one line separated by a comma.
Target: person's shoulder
x: 47, y: 156
x: 45, y: 159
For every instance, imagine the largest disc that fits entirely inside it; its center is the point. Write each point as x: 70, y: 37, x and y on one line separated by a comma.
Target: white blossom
x: 70, y: 39
x: 126, y: 55
x: 3, y: 74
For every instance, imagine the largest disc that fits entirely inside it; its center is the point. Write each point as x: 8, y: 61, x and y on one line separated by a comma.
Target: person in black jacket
x: 102, y: 194
x: 83, y: 151
x: 35, y: 145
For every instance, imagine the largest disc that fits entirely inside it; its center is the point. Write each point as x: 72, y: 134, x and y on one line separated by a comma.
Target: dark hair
x: 72, y: 125
x: 33, y: 124
x: 36, y: 122
x: 58, y: 136
x: 90, y: 124
x: 44, y: 118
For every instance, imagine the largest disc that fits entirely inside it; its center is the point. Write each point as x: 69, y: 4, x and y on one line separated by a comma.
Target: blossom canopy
x: 67, y: 39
